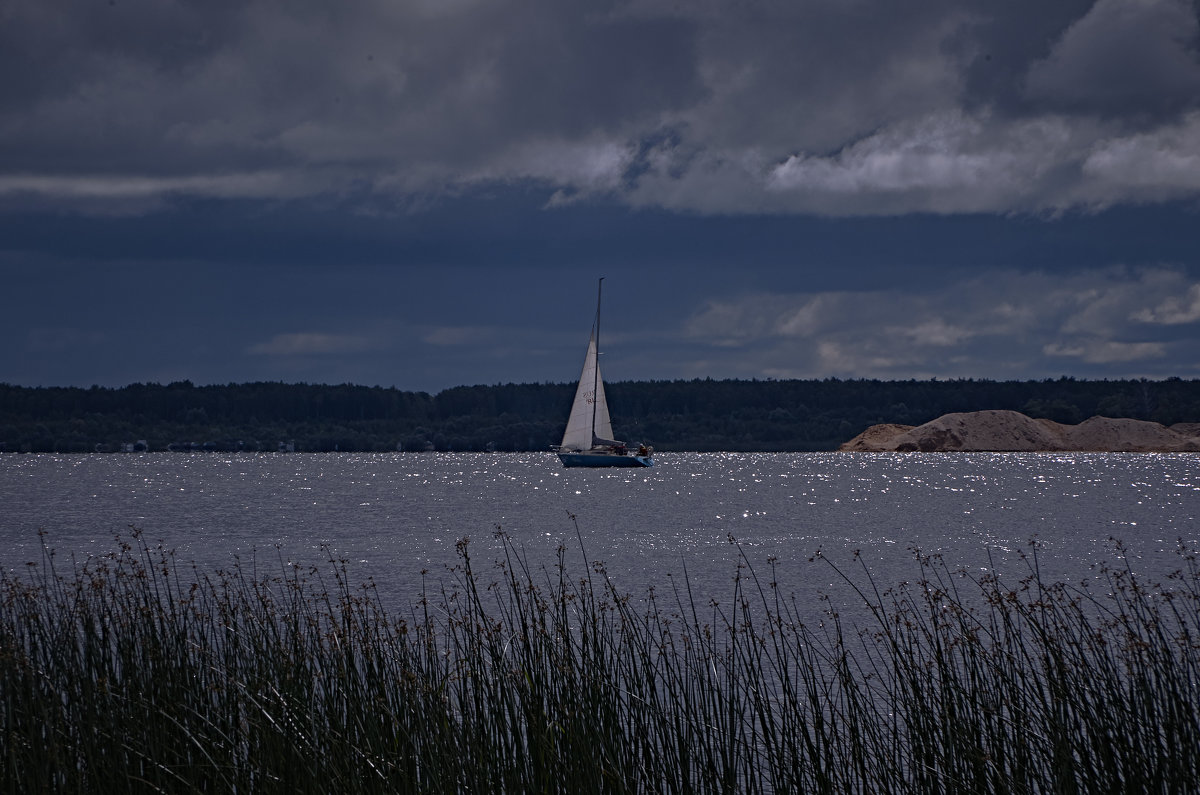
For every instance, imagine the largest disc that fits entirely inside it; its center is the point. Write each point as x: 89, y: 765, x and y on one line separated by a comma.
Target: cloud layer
x: 1006, y: 324
x: 422, y: 193
x: 854, y: 108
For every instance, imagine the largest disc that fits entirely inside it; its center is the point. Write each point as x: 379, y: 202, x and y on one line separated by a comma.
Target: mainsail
x: 589, y: 424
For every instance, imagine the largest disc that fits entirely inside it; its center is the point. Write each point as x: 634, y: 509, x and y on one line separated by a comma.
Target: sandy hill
x: 1011, y: 431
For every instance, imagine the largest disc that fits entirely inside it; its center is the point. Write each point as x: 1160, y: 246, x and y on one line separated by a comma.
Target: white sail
x: 603, y: 429
x: 590, y: 404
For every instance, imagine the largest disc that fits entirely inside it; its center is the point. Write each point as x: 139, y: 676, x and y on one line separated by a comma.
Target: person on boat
x: 642, y: 451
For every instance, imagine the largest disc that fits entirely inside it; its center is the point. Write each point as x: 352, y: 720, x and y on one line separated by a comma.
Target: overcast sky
x: 422, y: 193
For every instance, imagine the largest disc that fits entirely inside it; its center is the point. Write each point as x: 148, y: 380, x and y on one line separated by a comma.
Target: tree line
x: 700, y: 415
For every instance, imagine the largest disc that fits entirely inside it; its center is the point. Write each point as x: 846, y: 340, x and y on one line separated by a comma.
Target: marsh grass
x: 128, y: 672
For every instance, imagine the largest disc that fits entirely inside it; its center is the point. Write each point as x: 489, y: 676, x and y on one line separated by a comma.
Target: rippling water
x: 394, y: 515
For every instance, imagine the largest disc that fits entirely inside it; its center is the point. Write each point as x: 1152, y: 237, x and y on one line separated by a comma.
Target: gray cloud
x: 460, y: 335
x: 1175, y: 309
x: 1123, y: 58
x: 309, y: 343
x: 1002, y: 325
x: 711, y: 107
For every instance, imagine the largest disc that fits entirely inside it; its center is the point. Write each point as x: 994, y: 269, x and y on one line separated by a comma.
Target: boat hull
x: 604, y: 460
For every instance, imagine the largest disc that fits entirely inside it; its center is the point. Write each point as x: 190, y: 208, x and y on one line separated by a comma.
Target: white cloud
x: 459, y: 335
x: 110, y: 193
x: 59, y: 339
x: 1174, y: 310
x: 584, y: 166
x: 1004, y: 324
x: 936, y: 332
x: 1099, y: 351
x: 749, y: 320
x: 946, y: 158
x: 948, y: 162
x: 1159, y: 165
x: 309, y: 344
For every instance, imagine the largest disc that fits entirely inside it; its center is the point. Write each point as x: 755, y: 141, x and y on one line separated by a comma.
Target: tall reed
x: 130, y: 672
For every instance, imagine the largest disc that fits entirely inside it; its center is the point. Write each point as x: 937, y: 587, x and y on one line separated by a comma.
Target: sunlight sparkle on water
x: 401, y: 513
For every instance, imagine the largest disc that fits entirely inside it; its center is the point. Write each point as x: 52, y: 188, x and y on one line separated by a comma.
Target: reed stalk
x: 131, y: 672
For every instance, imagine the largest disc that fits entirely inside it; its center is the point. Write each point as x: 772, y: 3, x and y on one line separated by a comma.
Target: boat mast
x: 596, y: 369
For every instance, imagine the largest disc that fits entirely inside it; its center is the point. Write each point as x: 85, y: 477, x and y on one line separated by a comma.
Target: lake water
x: 393, y: 516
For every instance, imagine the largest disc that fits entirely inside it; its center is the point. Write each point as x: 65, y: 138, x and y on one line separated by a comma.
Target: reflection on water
x: 393, y: 516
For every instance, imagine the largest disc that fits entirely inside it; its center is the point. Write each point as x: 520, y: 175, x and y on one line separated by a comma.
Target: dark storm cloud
x: 423, y: 192
x: 1123, y: 59
x: 813, y: 107
x: 288, y: 99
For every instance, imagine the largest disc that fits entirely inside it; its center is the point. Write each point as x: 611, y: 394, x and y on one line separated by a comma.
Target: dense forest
x: 702, y: 415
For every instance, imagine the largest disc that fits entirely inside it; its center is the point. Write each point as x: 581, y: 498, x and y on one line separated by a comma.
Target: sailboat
x: 588, y: 440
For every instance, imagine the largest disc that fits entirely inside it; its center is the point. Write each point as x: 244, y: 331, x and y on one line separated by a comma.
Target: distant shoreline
x: 701, y: 415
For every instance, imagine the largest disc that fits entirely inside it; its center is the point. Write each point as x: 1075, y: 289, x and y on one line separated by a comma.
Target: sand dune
x: 1011, y: 431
